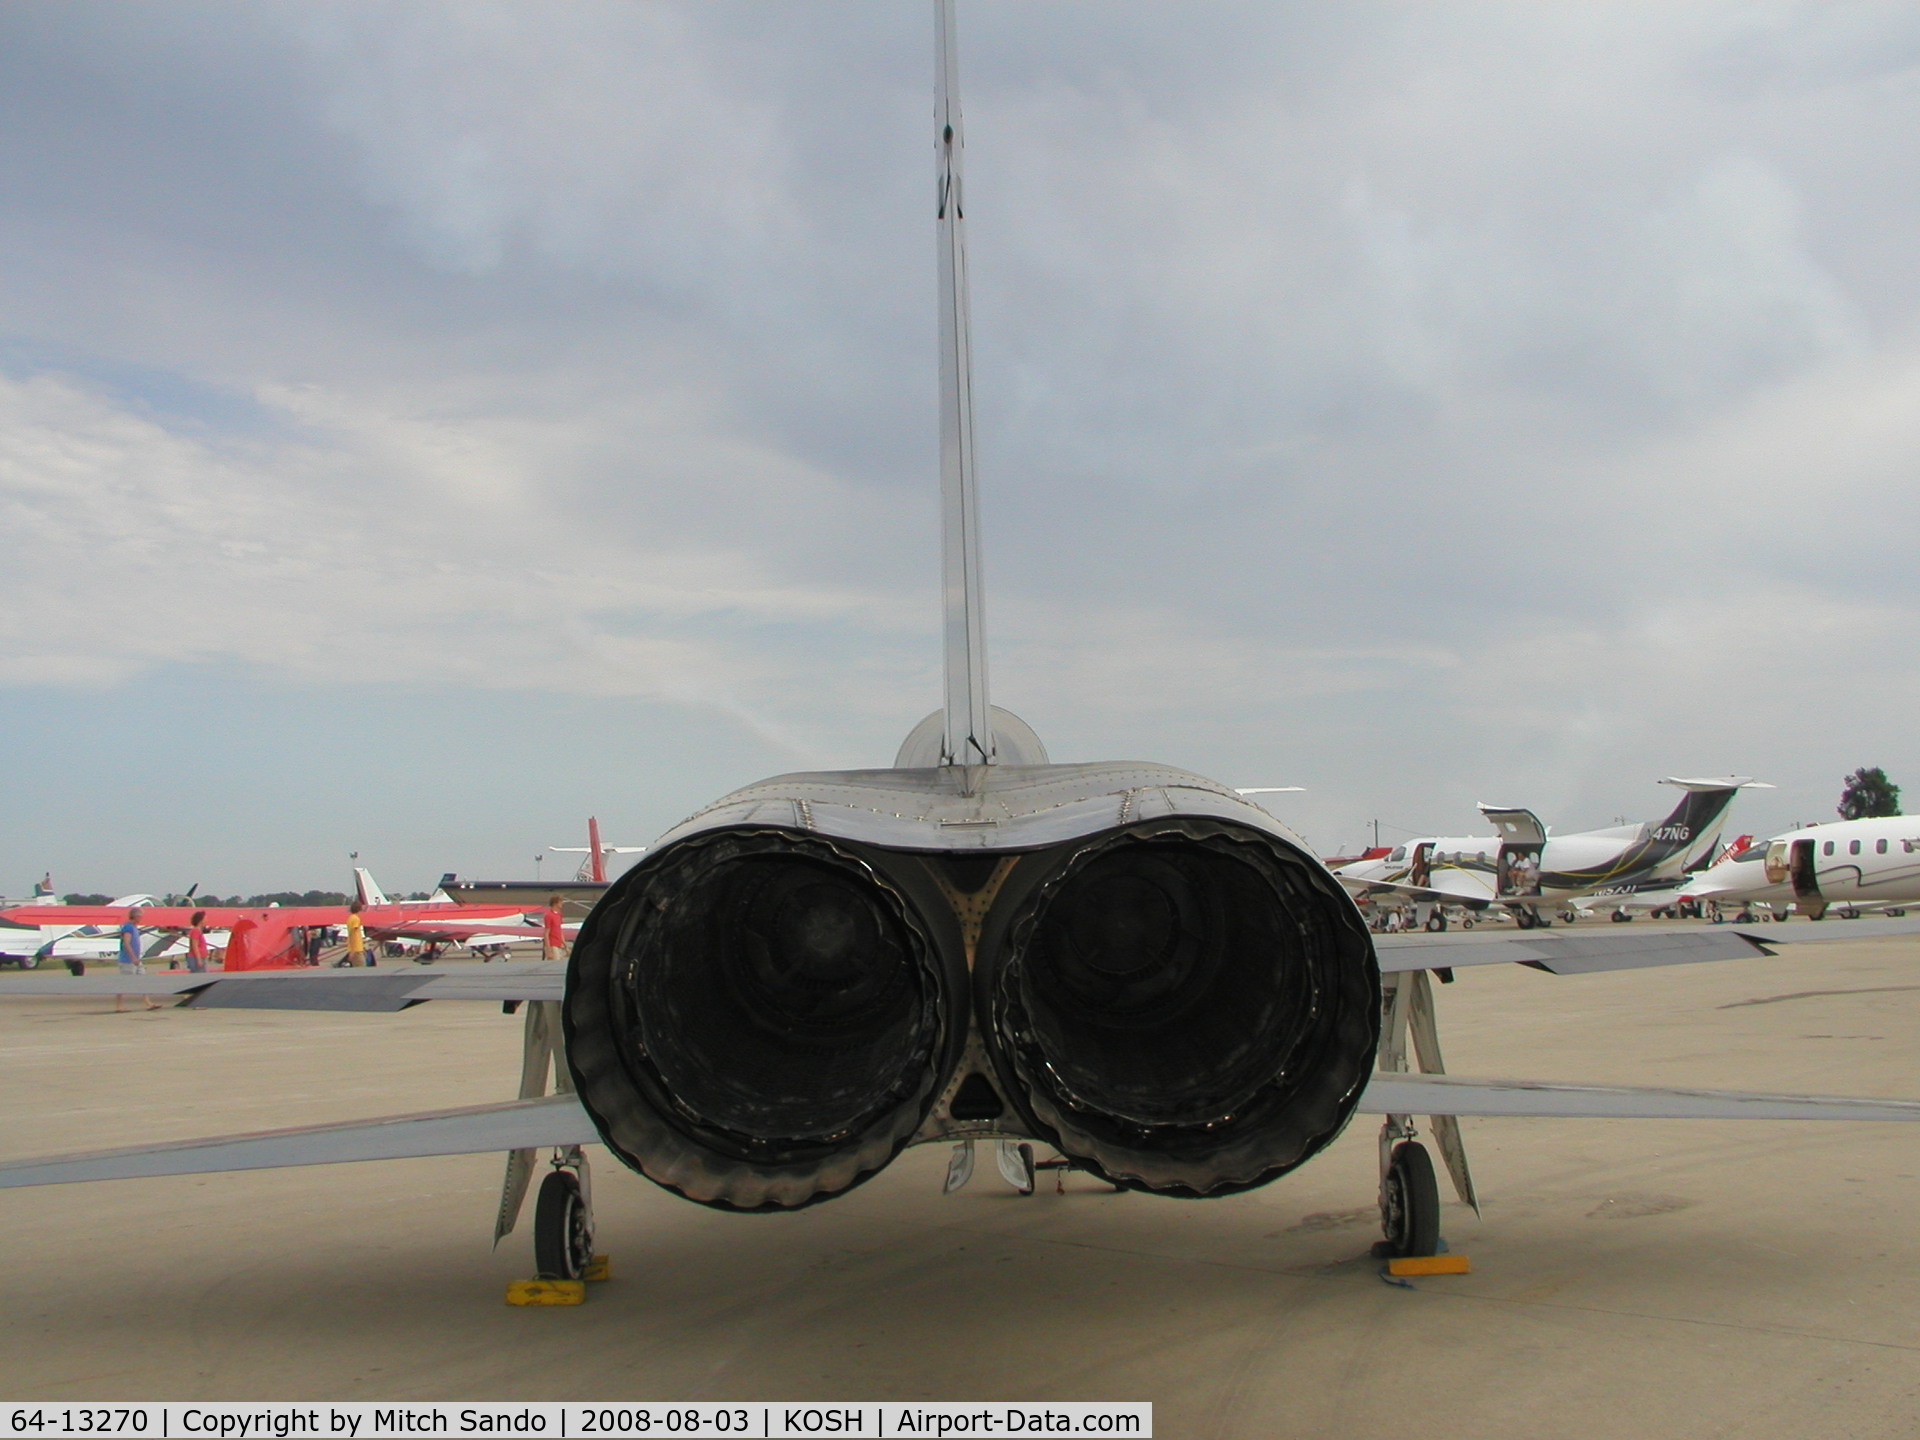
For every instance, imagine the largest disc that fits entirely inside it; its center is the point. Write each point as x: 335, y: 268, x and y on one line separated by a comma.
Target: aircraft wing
x: 1449, y: 887
x: 221, y: 917
x: 1397, y: 1094
x: 579, y: 895
x: 559, y: 1120
x: 1572, y: 954
x: 1786, y: 932
x: 459, y: 931
x: 1577, y: 953
x: 386, y: 989
x: 512, y: 1125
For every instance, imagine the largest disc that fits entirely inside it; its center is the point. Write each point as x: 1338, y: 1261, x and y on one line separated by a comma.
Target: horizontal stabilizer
x: 1719, y: 782
x: 514, y: 1125
x: 1456, y: 1095
x: 371, y: 989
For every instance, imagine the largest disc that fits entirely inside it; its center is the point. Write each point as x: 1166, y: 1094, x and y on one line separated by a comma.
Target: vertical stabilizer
x: 367, y: 889
x: 596, y: 857
x: 968, y: 738
x: 1685, y: 840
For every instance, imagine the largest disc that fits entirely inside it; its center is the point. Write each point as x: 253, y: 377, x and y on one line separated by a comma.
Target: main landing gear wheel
x: 562, y: 1232
x: 1410, y: 1203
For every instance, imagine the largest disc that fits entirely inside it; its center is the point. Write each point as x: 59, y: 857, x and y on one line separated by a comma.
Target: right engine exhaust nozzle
x: 1189, y: 1007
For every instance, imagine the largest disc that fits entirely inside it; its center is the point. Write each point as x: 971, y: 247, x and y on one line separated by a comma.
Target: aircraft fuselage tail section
x: 1126, y: 962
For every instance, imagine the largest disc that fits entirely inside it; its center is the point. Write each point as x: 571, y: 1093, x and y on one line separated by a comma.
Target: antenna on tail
x: 968, y: 736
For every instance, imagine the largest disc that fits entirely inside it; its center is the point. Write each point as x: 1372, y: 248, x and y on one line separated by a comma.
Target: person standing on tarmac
x: 553, y: 934
x: 357, y: 952
x: 131, y: 962
x: 197, y: 942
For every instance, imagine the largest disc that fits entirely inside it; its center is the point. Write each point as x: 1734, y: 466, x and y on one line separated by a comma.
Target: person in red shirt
x: 553, y: 933
x: 197, y: 942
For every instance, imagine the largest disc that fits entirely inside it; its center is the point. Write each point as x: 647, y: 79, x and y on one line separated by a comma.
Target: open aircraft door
x: 1420, y: 865
x: 1800, y: 866
x: 1792, y: 860
x: 1522, y: 838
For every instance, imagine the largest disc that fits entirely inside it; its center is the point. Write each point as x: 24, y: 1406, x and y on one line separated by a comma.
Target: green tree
x: 1869, y: 794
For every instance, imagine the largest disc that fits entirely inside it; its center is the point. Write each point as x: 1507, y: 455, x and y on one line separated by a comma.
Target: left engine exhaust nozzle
x: 756, y: 1019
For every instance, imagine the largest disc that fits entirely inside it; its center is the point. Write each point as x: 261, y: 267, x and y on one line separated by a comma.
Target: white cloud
x: 379, y: 544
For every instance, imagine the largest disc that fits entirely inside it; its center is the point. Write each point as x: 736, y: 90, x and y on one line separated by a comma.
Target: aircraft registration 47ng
x: 1128, y: 965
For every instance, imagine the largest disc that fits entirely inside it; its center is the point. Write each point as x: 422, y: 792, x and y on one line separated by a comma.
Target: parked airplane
x: 1854, y: 864
x: 577, y: 896
x: 1126, y: 962
x: 593, y: 868
x: 271, y: 936
x: 35, y: 930
x: 1528, y: 870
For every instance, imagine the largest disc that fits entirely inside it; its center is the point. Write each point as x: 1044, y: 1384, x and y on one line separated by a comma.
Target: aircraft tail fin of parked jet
x: 593, y: 869
x: 1693, y: 829
x: 367, y: 889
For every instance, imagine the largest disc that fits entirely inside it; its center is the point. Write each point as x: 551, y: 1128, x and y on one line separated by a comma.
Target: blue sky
x: 422, y: 425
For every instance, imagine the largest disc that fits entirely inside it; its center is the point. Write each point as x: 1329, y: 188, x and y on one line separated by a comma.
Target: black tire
x: 562, y: 1243
x: 1410, y: 1209
x: 1436, y: 922
x: 1026, y: 1163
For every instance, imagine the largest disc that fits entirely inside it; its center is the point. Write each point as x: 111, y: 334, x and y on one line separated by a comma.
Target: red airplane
x: 266, y: 938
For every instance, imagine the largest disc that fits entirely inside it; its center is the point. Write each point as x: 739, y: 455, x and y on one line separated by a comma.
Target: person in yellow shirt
x: 357, y: 952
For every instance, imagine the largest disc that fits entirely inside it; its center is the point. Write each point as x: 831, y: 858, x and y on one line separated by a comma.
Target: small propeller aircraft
x: 1128, y: 963
x: 270, y: 937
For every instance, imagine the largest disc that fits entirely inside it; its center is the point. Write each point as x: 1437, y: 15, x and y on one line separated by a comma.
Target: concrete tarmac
x: 1631, y: 1278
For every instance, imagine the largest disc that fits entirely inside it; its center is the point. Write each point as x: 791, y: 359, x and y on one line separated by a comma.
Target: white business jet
x: 1528, y: 871
x: 1852, y: 865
